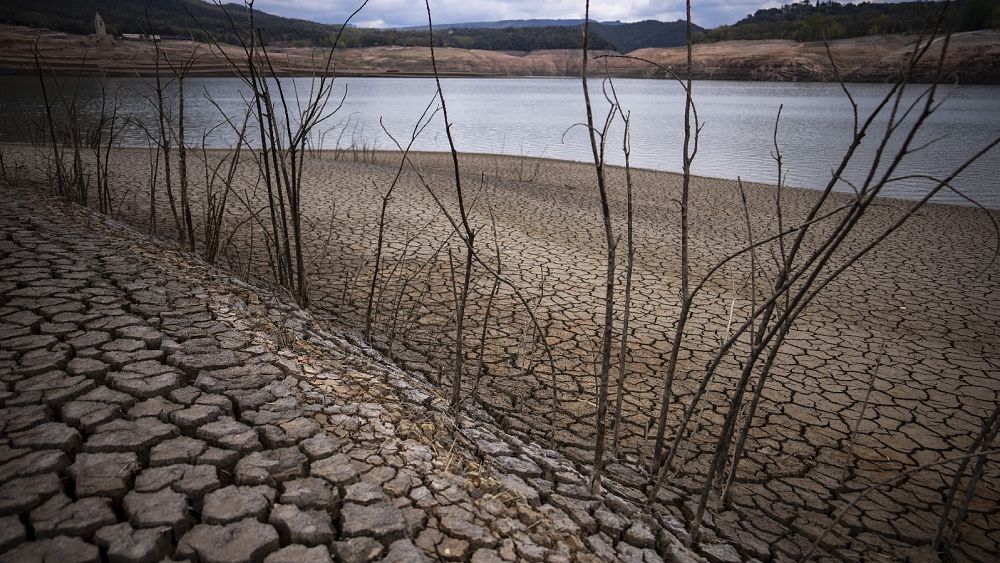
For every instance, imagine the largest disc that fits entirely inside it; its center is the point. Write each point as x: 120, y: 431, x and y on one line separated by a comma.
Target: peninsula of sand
x: 894, y: 367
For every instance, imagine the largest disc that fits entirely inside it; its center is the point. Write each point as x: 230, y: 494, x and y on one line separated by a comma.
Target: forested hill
x: 812, y: 21
x: 623, y: 37
x: 201, y: 19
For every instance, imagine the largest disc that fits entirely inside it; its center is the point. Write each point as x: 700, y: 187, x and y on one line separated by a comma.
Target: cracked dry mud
x: 149, y: 414
x: 923, y: 307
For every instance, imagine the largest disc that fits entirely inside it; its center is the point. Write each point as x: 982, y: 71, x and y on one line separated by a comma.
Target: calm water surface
x: 537, y: 117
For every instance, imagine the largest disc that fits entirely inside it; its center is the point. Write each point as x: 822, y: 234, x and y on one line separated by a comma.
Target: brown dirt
x: 922, y: 307
x: 973, y: 57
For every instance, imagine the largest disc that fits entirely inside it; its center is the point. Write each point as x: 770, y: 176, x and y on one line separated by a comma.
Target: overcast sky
x: 398, y: 13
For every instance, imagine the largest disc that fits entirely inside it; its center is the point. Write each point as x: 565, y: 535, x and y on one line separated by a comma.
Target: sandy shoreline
x: 923, y: 306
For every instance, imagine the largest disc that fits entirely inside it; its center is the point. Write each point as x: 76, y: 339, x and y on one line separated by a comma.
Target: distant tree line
x: 164, y: 17
x: 640, y: 35
x: 506, y: 39
x: 203, y: 20
x: 803, y: 21
x: 807, y: 21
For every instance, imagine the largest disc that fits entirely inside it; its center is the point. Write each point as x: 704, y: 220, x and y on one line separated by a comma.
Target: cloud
x: 398, y: 13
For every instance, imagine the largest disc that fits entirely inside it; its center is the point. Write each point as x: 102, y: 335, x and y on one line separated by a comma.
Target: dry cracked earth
x: 153, y: 410
x: 896, y: 365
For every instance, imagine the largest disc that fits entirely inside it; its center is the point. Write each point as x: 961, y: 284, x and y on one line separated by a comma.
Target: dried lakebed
x: 922, y: 307
x: 150, y: 412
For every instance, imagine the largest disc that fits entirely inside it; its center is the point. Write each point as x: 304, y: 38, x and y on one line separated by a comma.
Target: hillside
x: 203, y: 20
x: 973, y: 58
x: 623, y: 37
x: 833, y: 20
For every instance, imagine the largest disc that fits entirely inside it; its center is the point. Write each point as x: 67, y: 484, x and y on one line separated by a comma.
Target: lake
x: 540, y: 117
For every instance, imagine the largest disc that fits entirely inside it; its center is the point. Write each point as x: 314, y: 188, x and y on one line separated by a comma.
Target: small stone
x: 337, y: 469
x: 610, y: 523
x: 233, y: 503
x: 102, y: 394
x: 227, y: 433
x: 300, y: 428
x: 358, y: 550
x: 193, y: 363
x: 57, y: 329
x: 486, y: 556
x: 118, y: 360
x: 403, y: 551
x: 185, y: 395
x: 162, y: 508
x: 452, y: 549
x: 310, y: 493
x: 577, y: 510
x: 319, y: 446
x: 639, y: 535
x: 181, y: 449
x: 157, y: 407
x: 307, y: 527
x: 129, y: 435
x: 146, y: 379
x: 529, y: 551
x: 88, y: 415
x: 516, y: 485
x: 194, y: 481
x: 720, y: 553
x: 521, y: 467
x: 60, y: 516
x: 243, y: 377
x: 12, y: 533
x: 126, y: 544
x: 24, y: 493
x: 55, y: 387
x: 195, y: 416
x: 416, y: 520
x: 270, y: 467
x: 61, y: 549
x: 382, y: 521
x: 24, y: 318
x: 458, y: 523
x: 300, y: 554
x: 50, y: 435
x: 87, y: 367
x: 34, y: 463
x: 363, y: 493
x: 246, y: 540
x: 28, y: 343
x: 103, y: 474
x: 148, y: 335
x: 211, y: 400
x: 223, y: 459
x: 24, y: 417
x: 123, y: 345
x: 247, y: 400
x: 91, y: 339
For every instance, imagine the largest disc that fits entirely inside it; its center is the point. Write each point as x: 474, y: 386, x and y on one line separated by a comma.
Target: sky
x: 400, y: 13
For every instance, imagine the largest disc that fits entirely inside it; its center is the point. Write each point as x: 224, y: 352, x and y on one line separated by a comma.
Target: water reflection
x: 535, y: 117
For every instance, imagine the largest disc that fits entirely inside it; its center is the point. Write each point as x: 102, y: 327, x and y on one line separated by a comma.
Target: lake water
x: 537, y: 117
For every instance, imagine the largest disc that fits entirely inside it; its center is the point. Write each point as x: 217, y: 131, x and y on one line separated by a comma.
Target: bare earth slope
x: 973, y: 57
x: 151, y: 408
x: 917, y: 320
